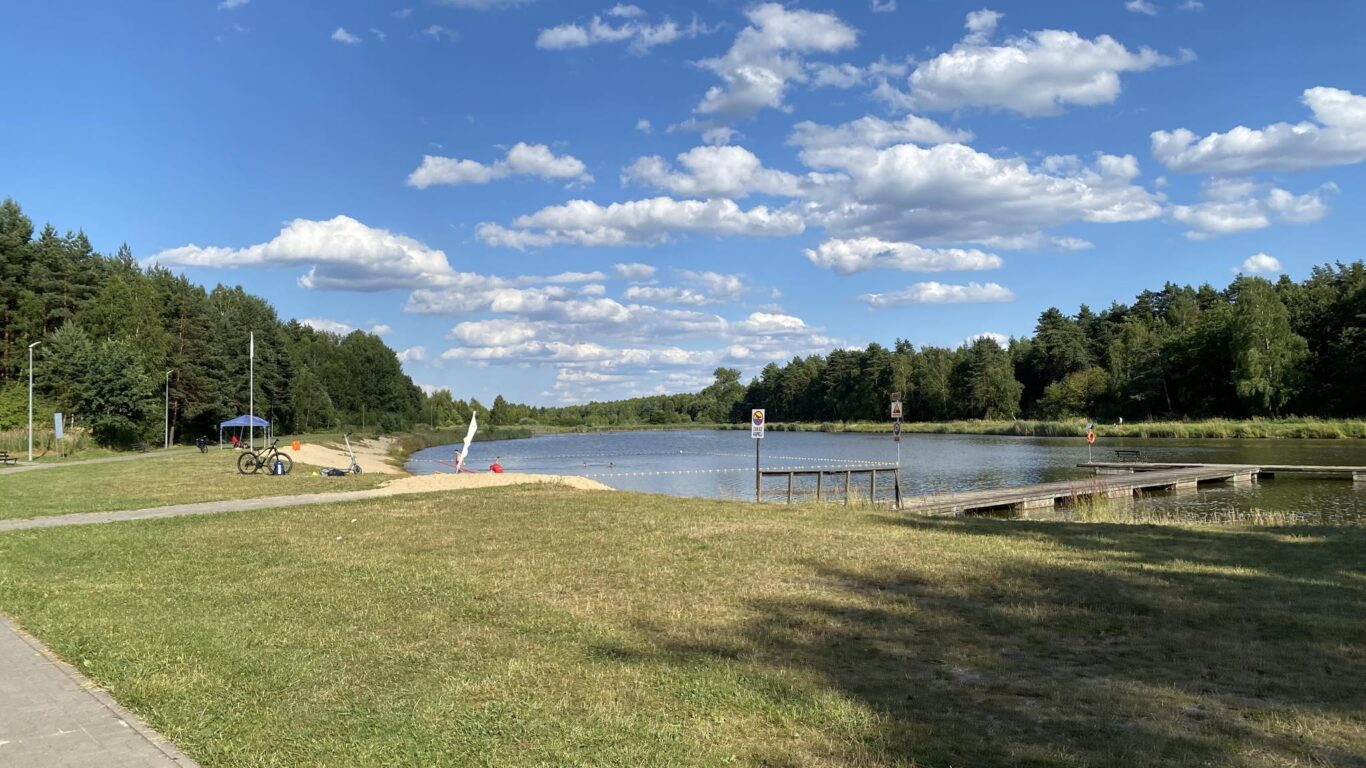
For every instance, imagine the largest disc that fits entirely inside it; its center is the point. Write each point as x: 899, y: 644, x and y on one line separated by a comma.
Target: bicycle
x: 251, y: 462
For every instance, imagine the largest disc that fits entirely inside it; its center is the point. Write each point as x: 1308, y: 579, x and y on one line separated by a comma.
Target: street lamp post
x: 30, y: 398
x: 166, y: 431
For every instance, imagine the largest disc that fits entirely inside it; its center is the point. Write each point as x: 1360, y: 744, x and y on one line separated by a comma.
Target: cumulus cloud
x: 381, y: 329
x: 1039, y: 73
x: 1001, y: 339
x: 767, y: 55
x: 1140, y: 6
x: 639, y: 36
x: 883, y: 6
x: 1259, y: 263
x: 521, y: 160
x: 939, y: 293
x: 712, y: 172
x: 1337, y: 136
x: 413, y: 355
x: 847, y: 257
x: 634, y: 271
x: 702, y: 289
x: 1231, y: 206
x: 644, y: 126
x: 228, y: 5
x: 484, y: 5
x: 342, y: 36
x: 952, y: 192
x: 342, y: 254
x: 874, y: 132
x: 327, y: 326
x: 638, y: 222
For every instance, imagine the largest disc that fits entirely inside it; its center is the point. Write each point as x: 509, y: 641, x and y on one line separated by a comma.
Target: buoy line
x: 664, y: 473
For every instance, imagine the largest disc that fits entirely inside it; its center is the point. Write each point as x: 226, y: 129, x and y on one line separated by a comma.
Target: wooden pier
x: 1048, y: 495
x: 836, y: 473
x: 1262, y: 471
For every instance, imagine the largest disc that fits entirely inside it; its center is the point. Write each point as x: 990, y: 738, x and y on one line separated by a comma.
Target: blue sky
x: 563, y: 201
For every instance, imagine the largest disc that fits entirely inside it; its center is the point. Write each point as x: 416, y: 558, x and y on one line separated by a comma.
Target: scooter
x: 355, y: 468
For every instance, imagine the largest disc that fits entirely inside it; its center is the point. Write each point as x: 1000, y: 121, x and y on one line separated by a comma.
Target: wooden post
x: 897, y: 477
x: 847, y: 474
x: 789, y: 487
x: 872, y: 488
x: 820, y: 476
x: 758, y: 478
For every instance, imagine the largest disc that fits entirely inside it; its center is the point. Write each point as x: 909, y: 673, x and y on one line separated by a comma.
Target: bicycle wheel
x: 355, y: 469
x: 247, y: 464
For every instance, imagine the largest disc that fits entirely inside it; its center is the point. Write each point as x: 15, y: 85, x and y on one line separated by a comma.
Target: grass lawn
x: 538, y: 626
x: 181, y: 477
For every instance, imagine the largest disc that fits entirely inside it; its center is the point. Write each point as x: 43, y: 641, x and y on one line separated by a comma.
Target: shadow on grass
x: 1125, y: 646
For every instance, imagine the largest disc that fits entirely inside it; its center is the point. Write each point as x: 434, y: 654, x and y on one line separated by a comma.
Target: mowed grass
x: 181, y: 477
x: 543, y: 626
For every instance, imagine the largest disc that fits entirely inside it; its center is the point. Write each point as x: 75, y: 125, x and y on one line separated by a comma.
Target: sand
x: 454, y: 482
x: 371, y: 455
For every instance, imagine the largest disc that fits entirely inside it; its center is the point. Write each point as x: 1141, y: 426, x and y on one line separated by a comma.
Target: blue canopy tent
x: 243, y: 421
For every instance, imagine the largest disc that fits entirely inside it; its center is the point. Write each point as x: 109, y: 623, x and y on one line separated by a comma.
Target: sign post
x: 1090, y: 440
x: 57, y: 433
x: 896, y: 425
x: 756, y: 431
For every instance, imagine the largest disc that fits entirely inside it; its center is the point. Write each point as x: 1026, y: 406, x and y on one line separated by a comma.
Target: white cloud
x: 1260, y: 263
x: 638, y: 222
x: 1232, y: 206
x: 640, y: 35
x: 1192, y: 5
x: 438, y: 33
x: 325, y: 325
x: 939, y: 293
x: 228, y: 5
x: 767, y: 55
x: 522, y: 159
x: 381, y: 329
x: 644, y: 126
x: 1336, y: 137
x: 689, y: 297
x: 413, y: 355
x: 705, y: 288
x: 634, y: 271
x: 1140, y: 6
x: 951, y: 192
x: 402, y: 13
x: 845, y: 76
x: 342, y: 36
x: 1036, y: 241
x: 343, y: 254
x: 712, y: 172
x: 484, y: 5
x: 771, y: 324
x: 1038, y: 73
x: 874, y: 132
x: 1001, y: 339
x: 847, y: 257
x: 379, y: 34
x: 883, y: 6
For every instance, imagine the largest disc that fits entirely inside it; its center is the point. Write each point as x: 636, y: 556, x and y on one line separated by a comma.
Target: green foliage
x: 118, y: 339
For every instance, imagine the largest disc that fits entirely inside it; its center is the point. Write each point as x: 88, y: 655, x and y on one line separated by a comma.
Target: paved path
x: 200, y: 508
x: 51, y: 716
x: 13, y: 469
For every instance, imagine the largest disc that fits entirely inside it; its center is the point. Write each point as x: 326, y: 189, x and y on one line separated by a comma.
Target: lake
x: 720, y: 464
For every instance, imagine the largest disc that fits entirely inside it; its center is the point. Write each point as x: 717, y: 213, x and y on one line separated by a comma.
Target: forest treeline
x: 1253, y: 349
x: 113, y: 334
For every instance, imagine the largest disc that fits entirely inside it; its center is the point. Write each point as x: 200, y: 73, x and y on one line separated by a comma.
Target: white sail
x: 469, y: 436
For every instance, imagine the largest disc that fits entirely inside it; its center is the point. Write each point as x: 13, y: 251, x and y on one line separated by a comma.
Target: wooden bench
x: 1126, y: 454
x: 5, y: 458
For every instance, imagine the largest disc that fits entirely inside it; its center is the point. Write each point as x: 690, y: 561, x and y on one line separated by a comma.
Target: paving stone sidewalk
x: 51, y: 716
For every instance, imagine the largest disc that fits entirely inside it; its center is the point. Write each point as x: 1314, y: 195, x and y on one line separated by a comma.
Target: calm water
x: 720, y: 464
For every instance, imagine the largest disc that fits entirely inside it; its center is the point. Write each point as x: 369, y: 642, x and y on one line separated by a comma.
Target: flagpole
x: 251, y: 395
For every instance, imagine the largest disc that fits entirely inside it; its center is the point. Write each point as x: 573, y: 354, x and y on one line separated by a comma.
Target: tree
x: 984, y: 382
x: 118, y: 395
x: 1267, y: 354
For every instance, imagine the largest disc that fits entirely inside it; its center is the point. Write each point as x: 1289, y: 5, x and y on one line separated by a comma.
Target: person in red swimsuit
x: 496, y: 467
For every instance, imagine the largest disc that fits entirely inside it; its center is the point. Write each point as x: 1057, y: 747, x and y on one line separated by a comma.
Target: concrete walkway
x: 181, y: 510
x: 24, y: 466
x: 51, y: 716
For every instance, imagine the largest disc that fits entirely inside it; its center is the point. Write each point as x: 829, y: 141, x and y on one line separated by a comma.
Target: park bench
x: 141, y: 447
x: 1126, y: 454
x: 5, y: 458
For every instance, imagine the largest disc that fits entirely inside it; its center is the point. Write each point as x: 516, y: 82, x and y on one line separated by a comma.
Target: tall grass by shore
x: 15, y: 442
